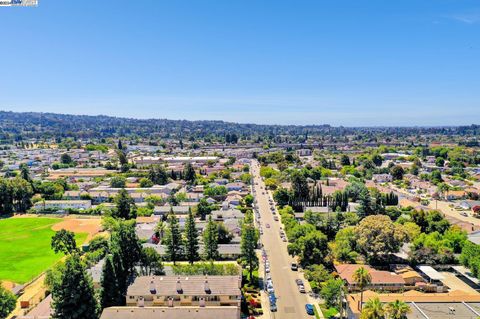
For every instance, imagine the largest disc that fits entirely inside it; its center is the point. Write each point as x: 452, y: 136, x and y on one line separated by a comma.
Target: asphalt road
x: 290, y: 302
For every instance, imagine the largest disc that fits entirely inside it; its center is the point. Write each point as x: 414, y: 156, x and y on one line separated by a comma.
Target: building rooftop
x: 181, y: 285
x: 171, y: 313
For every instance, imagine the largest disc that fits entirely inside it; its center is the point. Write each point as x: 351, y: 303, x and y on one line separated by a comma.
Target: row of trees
x: 186, y: 246
x: 15, y: 195
x: 72, y: 289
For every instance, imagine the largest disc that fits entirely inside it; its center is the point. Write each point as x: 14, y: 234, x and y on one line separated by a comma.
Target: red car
x: 267, y: 225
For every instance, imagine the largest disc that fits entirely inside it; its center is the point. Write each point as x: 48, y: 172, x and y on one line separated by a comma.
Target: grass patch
x: 25, y: 247
x: 246, y: 275
x: 328, y: 312
x: 317, y: 316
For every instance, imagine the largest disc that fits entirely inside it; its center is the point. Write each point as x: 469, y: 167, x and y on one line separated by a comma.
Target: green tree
x: 397, y: 310
x: 126, y: 252
x: 66, y: 159
x: 126, y: 208
x: 377, y: 236
x: 331, y: 292
x: 158, y: 175
x: 248, y: 200
x: 248, y: 243
x: 210, y: 240
x: 224, y: 235
x: 362, y: 278
x: 189, y: 173
x: 146, y: 182
x: 191, y: 239
x: 74, y: 298
x: 313, y: 248
x: 282, y: 196
x: 344, y: 160
x: 204, y: 208
x: 25, y: 172
x: 22, y: 193
x: 299, y: 186
x: 7, y: 302
x: 373, y: 309
x: 110, y: 295
x: 118, y: 182
x: 397, y: 172
x: 150, y: 262
x: 377, y: 159
x: 64, y: 241
x: 173, y: 239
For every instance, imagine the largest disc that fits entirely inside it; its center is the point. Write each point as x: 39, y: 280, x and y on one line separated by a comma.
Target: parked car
x: 309, y: 309
x: 273, y: 307
x: 270, y: 289
x: 284, y: 239
x: 267, y: 269
x: 267, y: 225
x: 294, y: 267
x: 299, y: 282
x: 301, y: 288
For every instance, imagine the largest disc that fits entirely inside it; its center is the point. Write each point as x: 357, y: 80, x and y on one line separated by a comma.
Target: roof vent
x: 179, y: 287
x: 207, y: 287
x: 153, y: 289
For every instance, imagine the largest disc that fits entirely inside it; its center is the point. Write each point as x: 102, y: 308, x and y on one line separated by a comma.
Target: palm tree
x: 397, y: 310
x: 160, y: 228
x: 443, y: 189
x: 373, y: 309
x: 362, y: 278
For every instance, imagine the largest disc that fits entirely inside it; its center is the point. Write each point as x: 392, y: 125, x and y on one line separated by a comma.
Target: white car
x: 267, y: 269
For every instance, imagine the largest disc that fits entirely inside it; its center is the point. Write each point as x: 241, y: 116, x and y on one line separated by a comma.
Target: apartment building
x: 191, y: 291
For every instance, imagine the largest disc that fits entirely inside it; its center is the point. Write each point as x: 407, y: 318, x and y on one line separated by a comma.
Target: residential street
x: 290, y: 302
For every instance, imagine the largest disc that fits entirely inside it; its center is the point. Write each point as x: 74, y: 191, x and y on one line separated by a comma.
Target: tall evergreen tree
x: 158, y: 175
x: 74, y: 296
x: 126, y: 250
x: 126, y: 208
x: 189, y: 173
x: 121, y: 277
x: 248, y: 243
x: 110, y: 294
x: 191, y: 239
x: 210, y: 240
x: 173, y: 239
x: 25, y: 172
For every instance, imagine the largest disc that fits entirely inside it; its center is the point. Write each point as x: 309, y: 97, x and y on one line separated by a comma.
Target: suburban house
x: 381, y: 280
x: 304, y: 152
x: 165, y: 210
x: 381, y: 178
x: 173, y: 291
x: 225, y: 251
x: 63, y: 204
x: 236, y: 186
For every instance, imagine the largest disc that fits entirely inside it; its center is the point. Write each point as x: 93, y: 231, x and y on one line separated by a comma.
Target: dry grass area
x: 91, y: 226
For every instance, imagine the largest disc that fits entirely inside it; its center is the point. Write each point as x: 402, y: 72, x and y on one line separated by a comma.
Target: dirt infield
x: 8, y: 285
x: 79, y: 225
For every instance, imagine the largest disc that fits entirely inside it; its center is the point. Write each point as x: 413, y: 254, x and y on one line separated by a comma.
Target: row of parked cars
x: 269, y: 283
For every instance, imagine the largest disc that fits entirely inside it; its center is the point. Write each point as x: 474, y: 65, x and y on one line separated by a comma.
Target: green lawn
x: 25, y: 247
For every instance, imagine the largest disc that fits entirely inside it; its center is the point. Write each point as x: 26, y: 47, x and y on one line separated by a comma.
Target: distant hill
x: 17, y: 126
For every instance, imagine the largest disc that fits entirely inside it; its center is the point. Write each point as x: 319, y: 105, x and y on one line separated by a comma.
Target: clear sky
x: 369, y: 62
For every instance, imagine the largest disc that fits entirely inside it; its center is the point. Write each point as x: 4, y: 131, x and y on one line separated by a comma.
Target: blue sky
x: 375, y: 62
